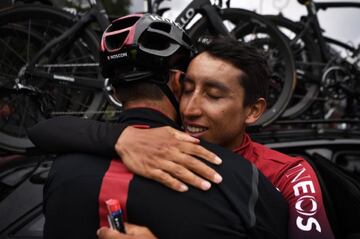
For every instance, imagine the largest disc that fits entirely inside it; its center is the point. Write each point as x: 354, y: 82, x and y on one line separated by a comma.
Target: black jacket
x: 244, y: 205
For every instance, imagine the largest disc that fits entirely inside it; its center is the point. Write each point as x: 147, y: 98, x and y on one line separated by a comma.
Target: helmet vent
x: 123, y: 23
x: 161, y: 26
x: 154, y: 41
x: 115, y: 41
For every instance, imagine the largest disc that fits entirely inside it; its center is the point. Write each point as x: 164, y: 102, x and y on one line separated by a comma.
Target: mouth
x: 195, y: 130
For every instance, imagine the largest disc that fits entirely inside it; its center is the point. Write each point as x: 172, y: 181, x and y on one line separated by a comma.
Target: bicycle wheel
x: 26, y: 99
x: 255, y: 30
x: 308, y: 70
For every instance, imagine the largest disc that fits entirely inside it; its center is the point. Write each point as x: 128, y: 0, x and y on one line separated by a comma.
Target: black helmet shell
x: 143, y: 43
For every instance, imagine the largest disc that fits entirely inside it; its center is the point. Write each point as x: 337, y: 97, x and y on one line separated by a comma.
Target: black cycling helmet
x: 141, y: 46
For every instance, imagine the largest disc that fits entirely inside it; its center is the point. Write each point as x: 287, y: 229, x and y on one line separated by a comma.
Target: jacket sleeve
x: 307, y: 216
x: 73, y: 134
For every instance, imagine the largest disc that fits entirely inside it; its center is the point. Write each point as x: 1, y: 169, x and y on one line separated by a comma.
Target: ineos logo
x: 306, y: 205
x: 306, y: 200
x: 188, y: 15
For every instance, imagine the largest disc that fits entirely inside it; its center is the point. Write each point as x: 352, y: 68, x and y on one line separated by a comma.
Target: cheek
x: 232, y: 115
x: 218, y: 115
x: 212, y: 110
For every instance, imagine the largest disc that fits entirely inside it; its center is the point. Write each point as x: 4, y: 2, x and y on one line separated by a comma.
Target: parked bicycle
x: 328, y: 86
x: 49, y: 61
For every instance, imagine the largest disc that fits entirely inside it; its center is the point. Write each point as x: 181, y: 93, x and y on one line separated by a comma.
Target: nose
x: 191, y: 106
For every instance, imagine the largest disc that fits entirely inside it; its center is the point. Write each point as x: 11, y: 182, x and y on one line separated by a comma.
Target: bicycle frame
x: 205, y: 8
x: 313, y: 23
x: 96, y: 13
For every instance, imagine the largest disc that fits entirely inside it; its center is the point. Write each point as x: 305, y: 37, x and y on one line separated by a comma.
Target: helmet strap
x: 170, y: 95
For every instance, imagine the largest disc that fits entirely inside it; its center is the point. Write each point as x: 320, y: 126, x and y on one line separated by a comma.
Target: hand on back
x: 168, y: 156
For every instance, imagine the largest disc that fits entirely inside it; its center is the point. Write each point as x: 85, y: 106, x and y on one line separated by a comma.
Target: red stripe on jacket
x: 115, y: 185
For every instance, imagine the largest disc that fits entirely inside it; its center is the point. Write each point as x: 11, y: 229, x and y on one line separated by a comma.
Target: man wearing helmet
x: 307, y: 213
x: 141, y: 53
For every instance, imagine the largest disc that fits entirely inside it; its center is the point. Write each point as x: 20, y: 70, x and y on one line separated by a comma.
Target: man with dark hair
x: 255, y: 81
x: 224, y: 91
x: 216, y: 106
x: 244, y: 205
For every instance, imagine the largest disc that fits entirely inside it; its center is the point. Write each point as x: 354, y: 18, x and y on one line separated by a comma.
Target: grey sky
x: 338, y: 23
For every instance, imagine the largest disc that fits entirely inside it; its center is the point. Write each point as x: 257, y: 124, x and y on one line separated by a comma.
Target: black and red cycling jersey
x: 298, y: 183
x: 244, y: 205
x: 293, y: 176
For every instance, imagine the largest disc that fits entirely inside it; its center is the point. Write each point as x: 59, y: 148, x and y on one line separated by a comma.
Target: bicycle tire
x: 307, y: 57
x: 29, y: 28
x: 246, y: 24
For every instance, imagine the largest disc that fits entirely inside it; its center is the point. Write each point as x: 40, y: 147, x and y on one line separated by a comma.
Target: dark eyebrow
x: 217, y: 85
x: 209, y: 84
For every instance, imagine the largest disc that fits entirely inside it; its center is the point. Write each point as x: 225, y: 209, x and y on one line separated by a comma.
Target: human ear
x: 254, y: 111
x: 174, y: 82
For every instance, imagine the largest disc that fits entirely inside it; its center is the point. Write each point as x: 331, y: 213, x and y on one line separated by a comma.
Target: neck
x: 164, y: 106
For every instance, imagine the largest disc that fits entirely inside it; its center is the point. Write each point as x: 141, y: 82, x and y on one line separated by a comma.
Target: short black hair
x: 148, y: 89
x: 144, y: 90
x: 247, y: 59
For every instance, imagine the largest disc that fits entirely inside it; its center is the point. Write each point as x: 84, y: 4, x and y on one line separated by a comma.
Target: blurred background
x: 333, y: 21
x: 23, y: 174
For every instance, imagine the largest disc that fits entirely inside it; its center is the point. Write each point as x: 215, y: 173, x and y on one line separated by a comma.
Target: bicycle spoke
x: 28, y: 42
x: 27, y: 32
x: 72, y: 100
x: 80, y: 59
x: 10, y: 67
x: 13, y: 51
x: 6, y: 80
